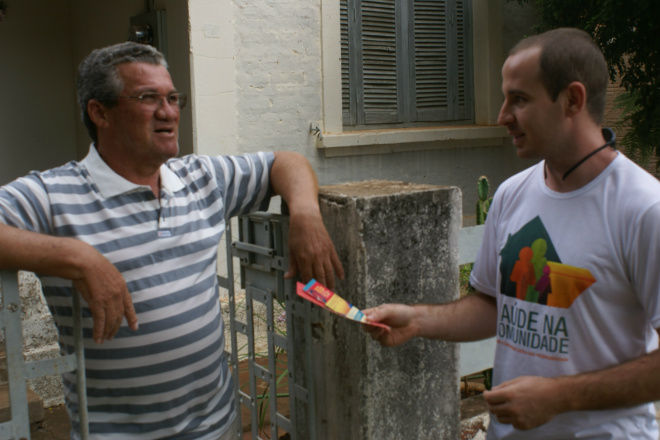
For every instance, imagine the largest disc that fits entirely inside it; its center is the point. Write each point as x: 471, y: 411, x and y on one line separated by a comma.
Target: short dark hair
x: 98, y: 77
x: 569, y: 55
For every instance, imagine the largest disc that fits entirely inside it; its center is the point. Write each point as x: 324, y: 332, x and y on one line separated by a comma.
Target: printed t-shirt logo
x: 532, y: 271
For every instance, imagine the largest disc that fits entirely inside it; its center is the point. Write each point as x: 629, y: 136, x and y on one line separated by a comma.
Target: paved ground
x: 55, y: 425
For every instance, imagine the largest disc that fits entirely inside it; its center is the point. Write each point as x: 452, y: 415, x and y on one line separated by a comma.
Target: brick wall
x: 278, y: 73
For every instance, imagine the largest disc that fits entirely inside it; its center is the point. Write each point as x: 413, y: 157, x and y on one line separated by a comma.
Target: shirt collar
x: 111, y: 184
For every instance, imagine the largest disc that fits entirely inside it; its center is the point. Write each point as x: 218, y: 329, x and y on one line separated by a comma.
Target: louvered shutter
x: 464, y: 105
x: 348, y: 105
x: 405, y: 61
x: 379, y: 61
x: 431, y: 61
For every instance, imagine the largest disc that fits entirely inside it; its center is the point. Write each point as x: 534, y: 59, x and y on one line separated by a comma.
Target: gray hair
x: 569, y: 55
x: 99, y: 79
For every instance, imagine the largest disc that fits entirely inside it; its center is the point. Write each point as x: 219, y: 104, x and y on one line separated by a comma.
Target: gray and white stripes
x: 169, y: 378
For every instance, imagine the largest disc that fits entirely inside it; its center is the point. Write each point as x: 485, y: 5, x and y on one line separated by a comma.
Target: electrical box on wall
x: 150, y: 28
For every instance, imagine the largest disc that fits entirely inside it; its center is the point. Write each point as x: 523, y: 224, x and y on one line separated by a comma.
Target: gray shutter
x: 431, y: 57
x: 347, y: 100
x: 464, y: 94
x: 379, y: 61
x: 406, y: 61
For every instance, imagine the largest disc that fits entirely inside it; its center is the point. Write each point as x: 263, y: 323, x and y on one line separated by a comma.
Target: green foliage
x: 483, y: 204
x: 464, y: 279
x: 627, y: 32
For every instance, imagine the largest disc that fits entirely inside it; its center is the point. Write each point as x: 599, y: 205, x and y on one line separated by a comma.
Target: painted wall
x: 279, y: 93
x: 41, y: 45
x: 37, y: 115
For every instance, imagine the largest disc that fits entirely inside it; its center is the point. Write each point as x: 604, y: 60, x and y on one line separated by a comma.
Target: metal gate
x: 19, y: 371
x: 272, y: 369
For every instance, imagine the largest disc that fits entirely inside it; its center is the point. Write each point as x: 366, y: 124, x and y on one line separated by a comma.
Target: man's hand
x: 311, y: 251
x: 96, y: 279
x: 525, y: 402
x: 107, y: 296
x: 399, y: 317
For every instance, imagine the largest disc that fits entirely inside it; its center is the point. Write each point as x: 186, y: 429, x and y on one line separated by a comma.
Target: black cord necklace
x: 610, y: 138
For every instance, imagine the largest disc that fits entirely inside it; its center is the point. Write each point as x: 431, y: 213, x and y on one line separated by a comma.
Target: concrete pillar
x: 39, y: 339
x: 398, y: 243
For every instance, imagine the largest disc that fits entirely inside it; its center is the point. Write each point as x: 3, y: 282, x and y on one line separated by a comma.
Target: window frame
x: 487, y: 57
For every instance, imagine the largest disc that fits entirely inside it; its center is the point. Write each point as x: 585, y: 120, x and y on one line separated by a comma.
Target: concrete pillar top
x: 368, y: 188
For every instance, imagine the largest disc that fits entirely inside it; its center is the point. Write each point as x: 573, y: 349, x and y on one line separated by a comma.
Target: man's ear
x: 98, y: 113
x: 576, y: 98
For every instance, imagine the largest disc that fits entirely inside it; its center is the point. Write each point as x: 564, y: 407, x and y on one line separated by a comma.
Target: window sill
x: 351, y: 143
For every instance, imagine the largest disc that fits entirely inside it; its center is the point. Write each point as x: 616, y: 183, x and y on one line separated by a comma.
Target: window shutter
x: 464, y: 97
x: 431, y: 59
x: 379, y: 61
x: 347, y: 103
x: 405, y: 61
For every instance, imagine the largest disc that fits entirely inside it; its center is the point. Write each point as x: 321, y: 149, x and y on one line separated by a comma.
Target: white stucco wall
x: 278, y: 74
x: 213, y: 71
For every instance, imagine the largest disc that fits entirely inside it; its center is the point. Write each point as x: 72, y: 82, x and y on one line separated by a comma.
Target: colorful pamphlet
x: 323, y: 297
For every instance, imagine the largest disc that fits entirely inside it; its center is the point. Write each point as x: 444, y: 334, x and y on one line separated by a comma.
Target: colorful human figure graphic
x: 544, y: 286
x: 532, y: 270
x: 539, y: 248
x: 523, y: 272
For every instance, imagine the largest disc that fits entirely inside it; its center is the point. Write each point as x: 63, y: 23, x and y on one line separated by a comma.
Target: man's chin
x: 525, y: 153
x: 170, y: 151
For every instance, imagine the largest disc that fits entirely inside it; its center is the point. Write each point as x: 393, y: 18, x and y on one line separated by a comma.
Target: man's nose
x: 505, y: 117
x: 166, y: 110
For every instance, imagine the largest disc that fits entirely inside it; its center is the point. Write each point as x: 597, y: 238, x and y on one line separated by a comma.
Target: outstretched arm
x: 312, y: 252
x: 528, y: 401
x: 468, y: 319
x: 93, y: 276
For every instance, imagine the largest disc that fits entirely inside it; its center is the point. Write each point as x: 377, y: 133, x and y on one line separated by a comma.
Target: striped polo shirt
x: 169, y: 378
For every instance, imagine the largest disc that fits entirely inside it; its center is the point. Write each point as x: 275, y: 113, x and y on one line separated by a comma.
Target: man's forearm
x: 96, y: 279
x: 31, y: 251
x: 293, y: 178
x: 468, y: 319
x: 312, y: 253
x: 632, y: 383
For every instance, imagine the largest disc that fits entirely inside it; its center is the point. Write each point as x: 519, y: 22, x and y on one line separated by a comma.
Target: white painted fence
x: 476, y: 356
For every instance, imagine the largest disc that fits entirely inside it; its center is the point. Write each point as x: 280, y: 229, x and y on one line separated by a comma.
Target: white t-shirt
x: 576, y: 280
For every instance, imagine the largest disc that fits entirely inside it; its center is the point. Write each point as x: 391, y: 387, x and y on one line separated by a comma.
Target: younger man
x: 566, y: 274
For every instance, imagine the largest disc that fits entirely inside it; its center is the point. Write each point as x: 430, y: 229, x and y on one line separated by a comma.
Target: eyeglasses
x: 151, y: 99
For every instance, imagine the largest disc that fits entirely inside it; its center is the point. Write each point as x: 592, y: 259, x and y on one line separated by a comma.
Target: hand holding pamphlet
x: 323, y: 297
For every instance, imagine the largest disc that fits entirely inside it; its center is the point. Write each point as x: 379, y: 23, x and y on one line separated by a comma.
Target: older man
x: 566, y: 275
x: 135, y: 231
